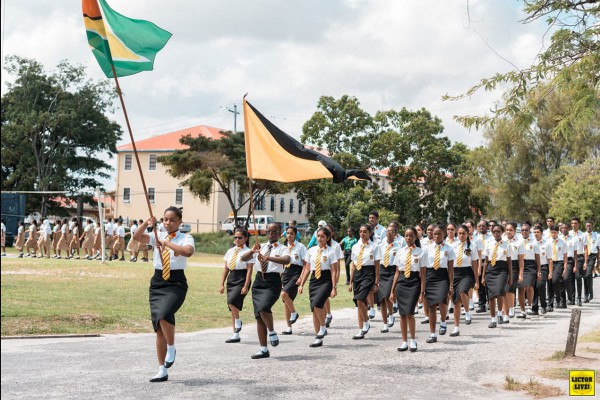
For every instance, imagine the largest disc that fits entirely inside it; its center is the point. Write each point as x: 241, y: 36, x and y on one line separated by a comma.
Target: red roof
x: 170, y: 141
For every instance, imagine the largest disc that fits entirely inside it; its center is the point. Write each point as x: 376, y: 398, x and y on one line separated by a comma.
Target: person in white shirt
x: 581, y: 241
x: 387, y: 271
x: 110, y: 237
x: 291, y: 277
x: 517, y: 256
x: 532, y: 270
x: 379, y: 232
x: 63, y: 241
x: 407, y: 287
x: 339, y: 255
x: 132, y: 246
x: 88, y: 239
x: 544, y: 290
x: 269, y: 261
x: 143, y: 247
x: 568, y: 289
x: 558, y: 266
x: 56, y: 237
x: 364, y: 276
x: 46, y: 238
x: 497, y: 271
x: 239, y: 277
x: 593, y: 248
x: 20, y: 240
x: 3, y: 238
x: 481, y: 240
x: 321, y: 264
x: 168, y: 286
x: 119, y: 241
x: 436, y: 277
x: 550, y: 224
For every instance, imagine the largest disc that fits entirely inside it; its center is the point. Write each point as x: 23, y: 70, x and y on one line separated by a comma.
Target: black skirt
x: 515, y: 277
x: 464, y: 280
x: 407, y: 292
x: 235, y: 284
x: 386, y: 279
x: 529, y: 274
x: 437, y: 286
x: 319, y: 289
x: 363, y: 283
x: 289, y: 278
x: 265, y: 292
x: 166, y: 297
x: 496, y: 278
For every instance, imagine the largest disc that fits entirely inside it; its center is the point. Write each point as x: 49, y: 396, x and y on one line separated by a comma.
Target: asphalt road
x: 472, y: 365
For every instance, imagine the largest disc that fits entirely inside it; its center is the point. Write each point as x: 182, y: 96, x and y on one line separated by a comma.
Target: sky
x: 286, y: 54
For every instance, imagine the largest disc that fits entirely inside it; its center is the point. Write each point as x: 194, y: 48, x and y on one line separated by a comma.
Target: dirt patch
x: 532, y: 388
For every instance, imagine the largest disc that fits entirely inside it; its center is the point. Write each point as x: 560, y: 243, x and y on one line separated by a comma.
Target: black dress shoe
x: 169, y: 363
x: 500, y: 321
x: 316, y: 344
x: 321, y: 336
x: 292, y: 321
x: 550, y: 309
x: 286, y: 332
x: 237, y: 330
x: 358, y: 336
x: 579, y: 303
x: 492, y: 325
x: 233, y: 340
x: 328, y: 321
x: 572, y: 302
x: 587, y: 299
x: 403, y: 348
x: 274, y: 340
x: 162, y: 379
x: 424, y: 321
x: 442, y: 330
x: 480, y: 310
x: 413, y: 349
x: 432, y: 339
x: 454, y: 334
x: 260, y: 354
x: 467, y: 322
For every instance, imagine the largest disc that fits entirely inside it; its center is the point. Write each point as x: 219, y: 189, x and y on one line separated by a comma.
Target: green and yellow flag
x: 128, y: 44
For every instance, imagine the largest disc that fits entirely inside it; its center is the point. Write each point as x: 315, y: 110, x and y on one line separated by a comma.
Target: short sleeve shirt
x: 446, y: 254
x: 277, y: 250
x: 371, y: 253
x: 239, y: 264
x: 328, y: 257
x: 297, y: 253
x: 177, y: 262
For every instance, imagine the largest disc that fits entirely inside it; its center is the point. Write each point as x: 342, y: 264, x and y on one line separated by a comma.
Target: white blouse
x: 277, y: 250
x: 371, y: 253
x: 469, y: 253
x: 393, y: 251
x: 297, y: 253
x: 502, y: 254
x: 418, y: 259
x: 239, y: 264
x: 328, y: 257
x: 531, y: 248
x: 177, y: 262
x: 446, y: 254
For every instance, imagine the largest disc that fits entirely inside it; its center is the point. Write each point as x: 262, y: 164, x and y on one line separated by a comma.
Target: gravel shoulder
x: 473, y: 365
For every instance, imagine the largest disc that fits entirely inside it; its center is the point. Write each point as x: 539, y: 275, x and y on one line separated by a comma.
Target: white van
x: 262, y: 221
x: 229, y: 225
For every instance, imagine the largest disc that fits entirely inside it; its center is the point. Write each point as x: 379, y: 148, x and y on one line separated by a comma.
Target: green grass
x: 47, y: 296
x: 590, y: 337
x: 557, y: 356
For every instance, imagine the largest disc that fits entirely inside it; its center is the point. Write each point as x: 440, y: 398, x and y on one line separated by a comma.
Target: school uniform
x: 55, y: 237
x: 380, y: 233
x: 464, y: 278
x: 425, y: 241
x: 97, y: 239
x: 20, y: 238
x: 399, y: 240
x: 544, y: 293
x: 408, y: 285
x: 481, y: 241
x: 387, y: 270
x: 267, y: 285
x: 236, y: 279
x: 569, y: 280
x: 437, y: 281
x: 167, y: 296
x: 63, y: 243
x: 496, y: 276
x: 364, y: 256
x: 515, y: 249
x: 531, y: 249
x: 110, y: 233
x: 559, y: 252
x: 3, y: 236
x: 32, y: 239
x: 132, y: 246
x: 75, y: 237
x: 88, y: 239
x: 119, y: 239
x: 581, y: 245
x: 593, y: 244
x: 293, y: 270
x: 320, y: 285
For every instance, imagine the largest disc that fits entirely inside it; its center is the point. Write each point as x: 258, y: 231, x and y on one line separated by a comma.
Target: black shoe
x: 260, y: 354
x: 544, y: 311
x: 442, y: 330
x: 233, y: 340
x: 587, y: 299
x: 163, y: 379
x: 500, y: 321
x: 454, y: 334
x: 321, y: 336
x: 274, y: 340
x: 394, y: 309
x: 122, y: 259
x: 358, y: 336
x: 550, y: 309
x: 168, y: 364
x: 579, y: 303
x: 295, y: 319
x: 451, y: 310
x: 480, y: 310
x: 286, y: 332
x: 413, y: 349
x: 467, y: 322
x: 432, y: 339
x: 316, y: 344
x: 571, y: 302
x: 561, y: 305
x: 237, y: 330
x: 424, y: 321
x: 492, y: 325
x: 403, y: 348
x: 328, y: 321
x: 367, y: 331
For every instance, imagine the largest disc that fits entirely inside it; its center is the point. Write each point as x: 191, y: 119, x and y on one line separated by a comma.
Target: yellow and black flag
x: 274, y: 155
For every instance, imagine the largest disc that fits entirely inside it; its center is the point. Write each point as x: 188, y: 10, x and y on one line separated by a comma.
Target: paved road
x: 112, y: 366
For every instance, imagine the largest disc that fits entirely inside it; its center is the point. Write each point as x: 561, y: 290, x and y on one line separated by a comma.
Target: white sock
x: 425, y: 318
x: 413, y: 343
x: 495, y: 319
x: 442, y: 324
x: 403, y: 345
x: 238, y: 323
x: 170, y: 353
x: 318, y: 341
x: 455, y: 329
x: 505, y: 318
x: 162, y: 372
x: 264, y: 349
x: 433, y: 335
x: 499, y: 313
x: 468, y: 316
x: 511, y: 311
x: 294, y: 315
x: 365, y: 326
x: 289, y: 329
x: 329, y: 315
x: 272, y: 333
x: 322, y: 330
x: 360, y: 332
x: 236, y: 336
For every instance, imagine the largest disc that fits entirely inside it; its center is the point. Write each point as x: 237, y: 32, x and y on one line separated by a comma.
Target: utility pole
x: 235, y: 114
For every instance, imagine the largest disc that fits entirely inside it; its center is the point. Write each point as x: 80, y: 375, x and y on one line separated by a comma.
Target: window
x: 151, y: 193
x: 126, y: 195
x: 272, y: 203
x: 259, y: 203
x: 299, y: 206
x: 282, y: 205
x: 291, y: 206
x: 178, y: 196
x: 128, y: 162
x: 152, y: 165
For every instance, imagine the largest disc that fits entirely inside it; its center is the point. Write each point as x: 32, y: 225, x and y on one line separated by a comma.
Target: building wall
x: 203, y: 217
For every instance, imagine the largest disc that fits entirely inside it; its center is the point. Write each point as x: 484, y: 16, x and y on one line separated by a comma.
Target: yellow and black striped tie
x: 459, y: 258
x: 495, y: 254
x: 436, y: 260
x: 233, y: 260
x: 589, y: 243
x: 554, y: 251
x: 386, y: 257
x: 318, y: 264
x: 166, y: 258
x: 407, y: 263
x: 359, y: 259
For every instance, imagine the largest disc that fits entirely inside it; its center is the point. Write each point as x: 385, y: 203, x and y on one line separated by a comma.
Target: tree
x: 223, y: 161
x: 53, y: 130
x: 571, y: 63
x: 579, y: 193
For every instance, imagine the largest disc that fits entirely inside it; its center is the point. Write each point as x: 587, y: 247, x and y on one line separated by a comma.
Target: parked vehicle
x: 228, y: 226
x: 185, y: 228
x: 262, y: 221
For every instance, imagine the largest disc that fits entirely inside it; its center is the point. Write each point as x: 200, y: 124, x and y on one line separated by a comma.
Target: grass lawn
x: 48, y: 296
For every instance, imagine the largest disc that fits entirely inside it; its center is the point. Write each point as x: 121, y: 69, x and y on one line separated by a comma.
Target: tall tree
x: 53, y: 131
x: 223, y: 161
x: 570, y: 63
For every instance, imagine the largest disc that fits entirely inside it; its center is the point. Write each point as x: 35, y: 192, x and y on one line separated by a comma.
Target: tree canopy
x: 53, y: 129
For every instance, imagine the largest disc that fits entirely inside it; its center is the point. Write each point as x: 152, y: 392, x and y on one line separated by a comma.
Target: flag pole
x: 248, y: 163
x: 135, y: 152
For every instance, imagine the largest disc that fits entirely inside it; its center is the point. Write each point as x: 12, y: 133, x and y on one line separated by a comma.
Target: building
x: 165, y: 191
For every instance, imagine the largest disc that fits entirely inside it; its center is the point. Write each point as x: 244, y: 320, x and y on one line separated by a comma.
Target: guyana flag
x: 274, y: 155
x: 128, y: 44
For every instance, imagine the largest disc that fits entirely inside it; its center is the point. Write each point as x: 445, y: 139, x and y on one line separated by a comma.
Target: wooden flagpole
x: 135, y: 152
